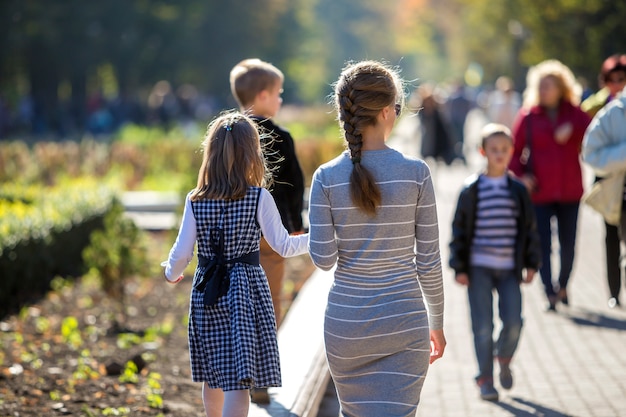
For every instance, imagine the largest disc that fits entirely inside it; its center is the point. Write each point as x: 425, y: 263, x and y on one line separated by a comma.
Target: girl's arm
x: 182, y: 251
x: 323, y: 245
x: 273, y: 230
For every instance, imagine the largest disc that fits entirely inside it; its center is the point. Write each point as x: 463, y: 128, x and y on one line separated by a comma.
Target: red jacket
x: 556, y: 167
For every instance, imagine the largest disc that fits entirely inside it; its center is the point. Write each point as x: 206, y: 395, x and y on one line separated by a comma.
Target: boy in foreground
x: 495, y: 245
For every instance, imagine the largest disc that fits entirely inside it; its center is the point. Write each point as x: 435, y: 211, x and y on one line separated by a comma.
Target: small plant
x: 71, y: 333
x: 116, y: 411
x: 84, y: 371
x: 154, y: 391
x: 128, y: 340
x: 117, y: 252
x: 129, y: 376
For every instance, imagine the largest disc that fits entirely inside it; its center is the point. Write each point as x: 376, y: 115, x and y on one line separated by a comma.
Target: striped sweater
x: 495, y: 228
x: 400, y: 242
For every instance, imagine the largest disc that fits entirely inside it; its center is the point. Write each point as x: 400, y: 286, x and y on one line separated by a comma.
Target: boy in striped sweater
x: 495, y: 246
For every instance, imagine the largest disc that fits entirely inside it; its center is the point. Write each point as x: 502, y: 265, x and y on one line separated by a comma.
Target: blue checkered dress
x: 233, y: 343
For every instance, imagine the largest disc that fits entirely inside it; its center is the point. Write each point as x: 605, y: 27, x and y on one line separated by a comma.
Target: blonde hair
x: 494, y: 129
x: 571, y: 91
x: 232, y: 159
x: 362, y: 91
x: 251, y: 76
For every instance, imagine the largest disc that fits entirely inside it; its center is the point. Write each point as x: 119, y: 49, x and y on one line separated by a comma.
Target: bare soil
x: 67, y: 355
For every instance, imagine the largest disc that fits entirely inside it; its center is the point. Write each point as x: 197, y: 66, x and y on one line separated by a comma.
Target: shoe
x: 563, y: 296
x: 551, y: 303
x: 260, y: 395
x: 614, y: 302
x: 506, y: 376
x: 487, y: 390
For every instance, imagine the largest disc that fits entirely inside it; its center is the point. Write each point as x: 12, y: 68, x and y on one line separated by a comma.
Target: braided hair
x: 362, y: 91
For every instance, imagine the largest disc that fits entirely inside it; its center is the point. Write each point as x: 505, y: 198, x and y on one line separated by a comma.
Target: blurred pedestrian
x: 504, y: 102
x: 435, y: 131
x: 612, y: 80
x: 232, y: 330
x: 604, y: 149
x: 495, y: 246
x: 373, y: 215
x: 458, y: 107
x: 548, y: 134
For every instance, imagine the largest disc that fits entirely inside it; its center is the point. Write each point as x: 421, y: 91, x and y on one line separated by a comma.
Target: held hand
x: 462, y: 278
x: 176, y: 281
x: 437, y: 344
x: 563, y: 133
x: 530, y: 274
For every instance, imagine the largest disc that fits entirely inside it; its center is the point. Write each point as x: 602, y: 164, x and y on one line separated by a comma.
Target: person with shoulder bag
x: 548, y: 133
x: 604, y: 150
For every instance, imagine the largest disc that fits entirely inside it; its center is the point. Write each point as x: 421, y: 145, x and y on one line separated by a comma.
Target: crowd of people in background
x: 533, y: 179
x: 103, y: 114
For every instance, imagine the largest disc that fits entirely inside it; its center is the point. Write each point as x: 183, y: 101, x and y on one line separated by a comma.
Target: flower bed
x: 42, y: 234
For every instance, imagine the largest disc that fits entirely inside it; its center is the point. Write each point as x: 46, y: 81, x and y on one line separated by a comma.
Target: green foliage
x: 71, y: 333
x: 116, y: 411
x: 68, y: 48
x: 40, y: 212
x: 42, y: 234
x: 154, y: 391
x: 139, y: 158
x: 128, y: 340
x: 117, y: 252
x: 129, y: 375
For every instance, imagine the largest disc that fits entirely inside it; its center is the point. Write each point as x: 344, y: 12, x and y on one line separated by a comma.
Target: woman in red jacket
x: 548, y: 135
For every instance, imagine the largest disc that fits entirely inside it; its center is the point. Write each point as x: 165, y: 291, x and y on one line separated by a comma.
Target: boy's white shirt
x: 268, y: 218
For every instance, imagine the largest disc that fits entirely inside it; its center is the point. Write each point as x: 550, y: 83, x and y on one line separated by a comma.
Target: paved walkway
x: 569, y: 363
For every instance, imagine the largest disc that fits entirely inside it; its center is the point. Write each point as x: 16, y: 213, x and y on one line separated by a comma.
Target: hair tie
x: 228, y: 128
x: 356, y: 160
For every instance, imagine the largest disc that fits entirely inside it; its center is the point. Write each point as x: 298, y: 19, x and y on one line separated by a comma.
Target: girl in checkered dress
x: 232, y: 330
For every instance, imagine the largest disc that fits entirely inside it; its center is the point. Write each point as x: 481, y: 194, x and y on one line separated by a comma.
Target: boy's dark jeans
x: 480, y: 291
x: 566, y: 215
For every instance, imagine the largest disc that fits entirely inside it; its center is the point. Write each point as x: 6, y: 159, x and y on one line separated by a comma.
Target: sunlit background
x: 62, y: 54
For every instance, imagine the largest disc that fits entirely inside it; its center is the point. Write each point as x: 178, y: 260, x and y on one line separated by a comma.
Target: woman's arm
x: 428, y: 258
x: 322, y: 245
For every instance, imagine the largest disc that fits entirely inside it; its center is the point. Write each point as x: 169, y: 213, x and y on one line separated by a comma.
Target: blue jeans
x: 480, y: 291
x: 566, y: 215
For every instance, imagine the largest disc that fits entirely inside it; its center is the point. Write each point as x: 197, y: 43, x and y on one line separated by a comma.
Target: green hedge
x: 43, y: 232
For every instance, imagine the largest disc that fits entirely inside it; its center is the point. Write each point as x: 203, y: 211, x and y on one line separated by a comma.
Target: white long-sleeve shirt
x: 268, y: 218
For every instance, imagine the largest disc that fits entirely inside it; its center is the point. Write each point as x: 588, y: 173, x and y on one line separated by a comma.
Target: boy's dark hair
x: 251, y: 76
x: 494, y: 129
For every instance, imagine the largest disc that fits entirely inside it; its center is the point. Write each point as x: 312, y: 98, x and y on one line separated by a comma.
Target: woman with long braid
x: 373, y: 214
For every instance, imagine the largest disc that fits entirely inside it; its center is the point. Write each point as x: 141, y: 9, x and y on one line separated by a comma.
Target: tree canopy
x: 62, y: 50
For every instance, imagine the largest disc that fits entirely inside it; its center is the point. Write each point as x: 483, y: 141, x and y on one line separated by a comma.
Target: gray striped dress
x: 388, y: 287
